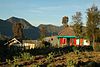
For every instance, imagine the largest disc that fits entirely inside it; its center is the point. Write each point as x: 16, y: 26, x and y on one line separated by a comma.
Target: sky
x: 45, y: 11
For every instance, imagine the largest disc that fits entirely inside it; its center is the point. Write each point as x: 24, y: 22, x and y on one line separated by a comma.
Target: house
x: 29, y: 44
x: 67, y: 37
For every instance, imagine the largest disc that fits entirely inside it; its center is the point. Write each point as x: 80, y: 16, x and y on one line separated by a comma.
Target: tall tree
x: 43, y: 32
x: 77, y: 23
x: 93, y: 22
x: 18, y: 30
x: 65, y: 21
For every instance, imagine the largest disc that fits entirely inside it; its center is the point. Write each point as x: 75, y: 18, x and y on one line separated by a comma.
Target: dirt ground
x: 71, y: 59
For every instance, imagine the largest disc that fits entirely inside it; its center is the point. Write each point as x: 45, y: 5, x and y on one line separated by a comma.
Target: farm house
x: 67, y: 37
x: 72, y: 41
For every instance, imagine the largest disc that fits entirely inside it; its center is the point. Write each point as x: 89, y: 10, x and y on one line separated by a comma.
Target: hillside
x: 51, y: 29
x: 6, y: 28
x: 30, y: 31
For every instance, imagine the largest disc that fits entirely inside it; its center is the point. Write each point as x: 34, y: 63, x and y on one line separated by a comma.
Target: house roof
x: 67, y: 31
x: 12, y: 41
x: 29, y: 41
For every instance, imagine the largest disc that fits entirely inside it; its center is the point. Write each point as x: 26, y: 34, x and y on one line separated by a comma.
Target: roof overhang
x: 66, y: 36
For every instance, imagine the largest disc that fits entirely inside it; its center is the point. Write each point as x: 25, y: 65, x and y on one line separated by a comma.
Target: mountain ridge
x: 30, y: 31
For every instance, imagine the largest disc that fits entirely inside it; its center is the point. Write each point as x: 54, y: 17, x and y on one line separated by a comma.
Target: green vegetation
x: 52, y: 59
x: 77, y: 23
x: 93, y: 23
x: 97, y: 47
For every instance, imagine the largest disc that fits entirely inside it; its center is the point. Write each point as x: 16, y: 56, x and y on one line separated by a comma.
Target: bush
x: 8, y: 61
x: 97, y: 47
x: 26, y: 56
x: 50, y: 57
x: 72, y: 62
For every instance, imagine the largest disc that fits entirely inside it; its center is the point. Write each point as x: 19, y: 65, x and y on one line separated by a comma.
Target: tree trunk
x: 93, y: 42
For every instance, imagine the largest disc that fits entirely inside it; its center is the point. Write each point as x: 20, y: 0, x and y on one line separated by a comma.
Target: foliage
x: 15, y: 60
x: 43, y: 32
x: 17, y: 30
x: 25, y: 56
x: 97, y: 47
x: 8, y: 61
x: 34, y: 65
x: 50, y: 57
x: 65, y: 21
x: 41, y: 37
x: 71, y: 62
x: 77, y: 23
x: 93, y: 22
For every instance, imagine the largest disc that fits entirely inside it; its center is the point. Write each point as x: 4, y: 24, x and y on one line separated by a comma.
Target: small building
x: 67, y: 37
x: 29, y: 44
x: 66, y: 40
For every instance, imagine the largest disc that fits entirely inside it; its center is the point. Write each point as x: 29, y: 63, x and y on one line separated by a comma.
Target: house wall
x: 86, y: 42
x: 29, y: 45
x: 73, y: 41
x: 52, y: 40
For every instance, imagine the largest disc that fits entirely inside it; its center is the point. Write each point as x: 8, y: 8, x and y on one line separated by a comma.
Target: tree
x: 65, y: 21
x: 43, y: 32
x: 18, y: 30
x: 93, y: 22
x: 77, y: 23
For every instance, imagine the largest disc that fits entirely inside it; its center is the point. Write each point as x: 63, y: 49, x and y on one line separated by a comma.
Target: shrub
x: 74, y: 48
x: 50, y: 57
x: 34, y: 65
x: 26, y: 56
x: 8, y: 61
x: 71, y: 62
x: 16, y: 60
x: 97, y: 47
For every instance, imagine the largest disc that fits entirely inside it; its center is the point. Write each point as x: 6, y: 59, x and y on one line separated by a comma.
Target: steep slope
x: 6, y: 28
x: 25, y: 23
x: 30, y: 32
